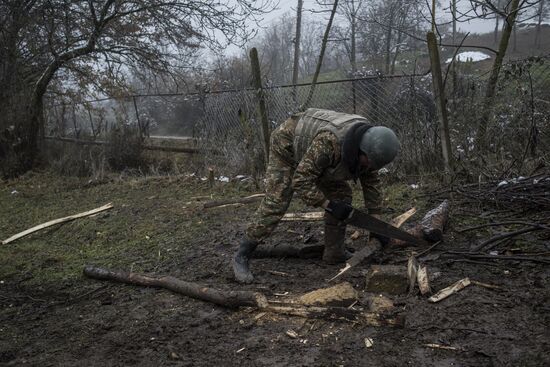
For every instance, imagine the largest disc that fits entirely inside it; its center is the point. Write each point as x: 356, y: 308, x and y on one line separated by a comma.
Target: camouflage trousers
x: 279, y: 191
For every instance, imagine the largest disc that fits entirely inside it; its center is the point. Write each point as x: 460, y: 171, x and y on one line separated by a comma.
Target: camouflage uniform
x: 285, y: 176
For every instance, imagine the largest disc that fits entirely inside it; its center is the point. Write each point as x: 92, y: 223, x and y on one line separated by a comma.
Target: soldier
x: 313, y: 154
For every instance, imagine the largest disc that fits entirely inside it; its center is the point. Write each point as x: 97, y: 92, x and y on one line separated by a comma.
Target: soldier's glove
x: 383, y: 239
x: 339, y: 209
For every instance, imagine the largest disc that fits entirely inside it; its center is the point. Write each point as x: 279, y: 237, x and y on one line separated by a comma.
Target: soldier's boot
x: 335, y: 249
x: 241, y: 259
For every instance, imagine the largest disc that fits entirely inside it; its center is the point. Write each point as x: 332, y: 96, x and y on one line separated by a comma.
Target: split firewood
x: 434, y: 222
x: 401, y: 219
x: 246, y: 200
x: 423, y: 281
x: 452, y: 289
x: 231, y: 299
x: 57, y: 221
x: 412, y: 270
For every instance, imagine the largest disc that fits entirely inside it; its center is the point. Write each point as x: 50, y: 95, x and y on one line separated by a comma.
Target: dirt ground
x: 51, y: 315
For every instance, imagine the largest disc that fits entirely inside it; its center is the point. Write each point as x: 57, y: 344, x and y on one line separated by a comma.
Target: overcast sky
x: 289, y: 6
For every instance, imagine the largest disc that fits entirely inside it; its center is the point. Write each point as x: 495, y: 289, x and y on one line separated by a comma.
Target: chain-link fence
x: 227, y: 132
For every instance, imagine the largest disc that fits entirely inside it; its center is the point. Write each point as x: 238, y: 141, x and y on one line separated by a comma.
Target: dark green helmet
x: 381, y: 145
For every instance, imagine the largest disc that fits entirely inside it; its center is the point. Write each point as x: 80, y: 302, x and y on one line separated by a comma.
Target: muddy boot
x: 335, y: 249
x: 240, y: 261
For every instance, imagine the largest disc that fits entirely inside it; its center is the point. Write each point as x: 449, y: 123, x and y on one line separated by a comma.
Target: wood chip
x: 439, y: 346
x: 485, y: 285
x: 412, y: 270
x: 423, y: 281
x: 446, y: 292
x: 292, y: 334
x: 369, y: 342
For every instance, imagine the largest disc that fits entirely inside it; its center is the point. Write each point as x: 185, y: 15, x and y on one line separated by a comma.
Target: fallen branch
x: 56, y: 221
x: 504, y: 236
x: 231, y: 299
x: 499, y: 257
x: 246, y: 200
x: 303, y: 217
x: 289, y: 250
x: 507, y: 223
x: 485, y: 285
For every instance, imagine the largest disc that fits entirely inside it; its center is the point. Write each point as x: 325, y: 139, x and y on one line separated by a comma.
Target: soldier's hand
x: 339, y: 209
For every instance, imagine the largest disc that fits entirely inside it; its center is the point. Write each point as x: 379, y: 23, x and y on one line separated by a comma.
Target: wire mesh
x: 226, y: 129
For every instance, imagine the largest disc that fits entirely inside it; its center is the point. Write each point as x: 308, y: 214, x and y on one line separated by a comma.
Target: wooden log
x: 342, y: 295
x: 57, y: 221
x: 289, y: 250
x: 434, y: 222
x: 246, y: 200
x: 415, y: 230
x: 231, y: 299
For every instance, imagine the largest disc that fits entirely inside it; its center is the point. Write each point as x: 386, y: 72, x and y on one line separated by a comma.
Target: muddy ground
x: 51, y: 315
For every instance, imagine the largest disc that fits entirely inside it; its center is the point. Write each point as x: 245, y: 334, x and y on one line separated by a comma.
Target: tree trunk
x: 539, y: 22
x: 321, y: 56
x: 488, y: 101
x: 388, y: 43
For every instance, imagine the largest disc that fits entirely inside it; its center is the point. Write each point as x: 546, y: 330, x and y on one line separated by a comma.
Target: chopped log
x: 378, y: 302
x: 246, y: 200
x: 289, y: 250
x: 415, y: 230
x: 342, y: 295
x: 452, y: 289
x: 434, y: 222
x: 391, y: 279
x: 231, y: 299
x: 57, y: 221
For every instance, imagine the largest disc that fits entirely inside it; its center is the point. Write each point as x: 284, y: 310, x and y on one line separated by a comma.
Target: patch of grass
x: 153, y: 219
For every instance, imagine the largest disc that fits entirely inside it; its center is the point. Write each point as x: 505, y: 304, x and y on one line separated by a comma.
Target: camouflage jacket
x: 324, y: 153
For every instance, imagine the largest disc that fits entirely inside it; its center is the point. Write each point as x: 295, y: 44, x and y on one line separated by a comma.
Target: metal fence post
x: 256, y: 75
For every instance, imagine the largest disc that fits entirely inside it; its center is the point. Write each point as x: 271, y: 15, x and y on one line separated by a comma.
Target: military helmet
x: 381, y: 145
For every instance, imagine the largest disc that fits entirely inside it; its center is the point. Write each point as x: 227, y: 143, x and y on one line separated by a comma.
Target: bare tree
x: 41, y: 40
